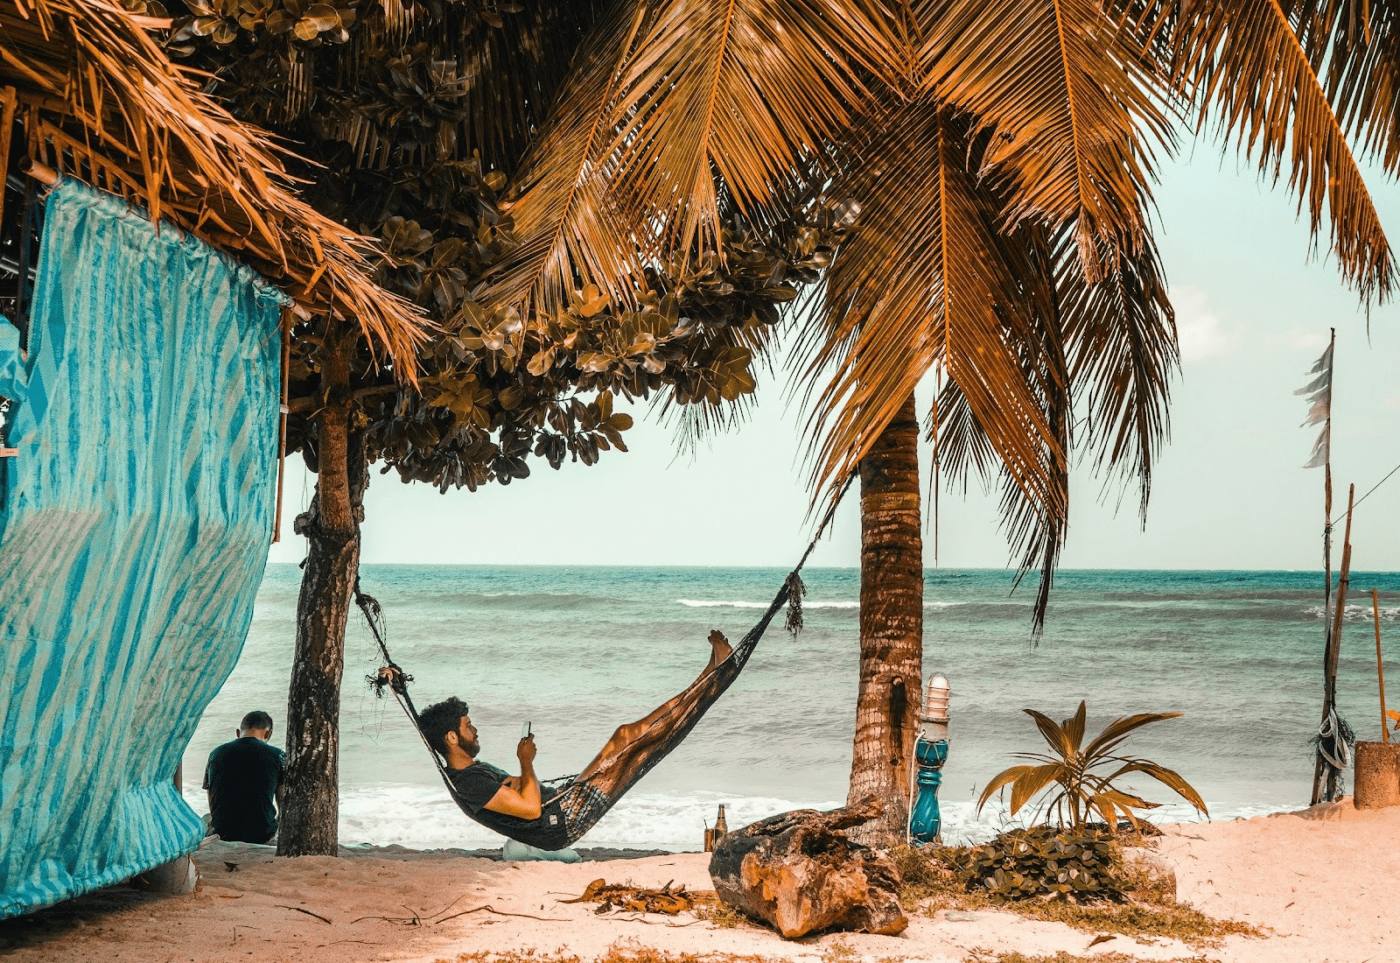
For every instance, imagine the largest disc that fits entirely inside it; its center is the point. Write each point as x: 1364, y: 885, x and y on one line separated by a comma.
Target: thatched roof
x: 100, y: 101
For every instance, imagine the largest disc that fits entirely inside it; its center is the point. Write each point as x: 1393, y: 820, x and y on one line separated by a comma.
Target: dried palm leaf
x: 107, y: 106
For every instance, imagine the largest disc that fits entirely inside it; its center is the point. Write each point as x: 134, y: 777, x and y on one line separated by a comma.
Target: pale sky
x: 1229, y: 493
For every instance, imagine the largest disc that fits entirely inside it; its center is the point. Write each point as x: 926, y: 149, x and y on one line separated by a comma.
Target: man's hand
x: 519, y: 796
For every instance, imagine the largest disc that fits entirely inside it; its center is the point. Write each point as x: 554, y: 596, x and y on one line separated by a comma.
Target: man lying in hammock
x: 554, y: 814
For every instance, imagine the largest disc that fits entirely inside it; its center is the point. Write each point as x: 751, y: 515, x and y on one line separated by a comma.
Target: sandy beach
x: 1320, y: 885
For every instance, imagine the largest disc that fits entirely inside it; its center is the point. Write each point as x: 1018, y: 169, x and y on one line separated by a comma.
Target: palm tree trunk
x: 311, y: 812
x: 891, y: 626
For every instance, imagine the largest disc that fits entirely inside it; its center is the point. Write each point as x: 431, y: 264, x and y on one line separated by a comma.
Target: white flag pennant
x: 1319, y: 394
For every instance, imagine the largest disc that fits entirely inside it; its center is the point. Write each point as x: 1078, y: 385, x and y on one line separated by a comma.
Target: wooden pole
x: 1339, y: 609
x: 1380, y: 665
x: 1334, y: 647
x: 44, y: 175
x: 1327, y: 514
x: 8, y: 101
x: 286, y: 329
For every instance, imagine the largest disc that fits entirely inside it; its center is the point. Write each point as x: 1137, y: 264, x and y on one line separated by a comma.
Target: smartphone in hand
x: 525, y: 731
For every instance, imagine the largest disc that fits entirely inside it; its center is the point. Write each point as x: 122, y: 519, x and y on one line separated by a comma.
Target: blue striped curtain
x: 134, y: 527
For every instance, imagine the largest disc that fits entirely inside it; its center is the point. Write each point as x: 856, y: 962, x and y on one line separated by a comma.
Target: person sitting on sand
x: 244, y: 779
x: 517, y: 806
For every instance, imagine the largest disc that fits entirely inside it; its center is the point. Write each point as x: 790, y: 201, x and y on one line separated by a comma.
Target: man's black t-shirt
x: 242, y: 777
x: 480, y: 781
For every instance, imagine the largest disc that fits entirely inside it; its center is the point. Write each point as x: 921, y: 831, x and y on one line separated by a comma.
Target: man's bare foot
x: 719, y: 649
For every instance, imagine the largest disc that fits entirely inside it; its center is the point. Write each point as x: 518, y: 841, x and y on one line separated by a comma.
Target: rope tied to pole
x: 1334, y: 741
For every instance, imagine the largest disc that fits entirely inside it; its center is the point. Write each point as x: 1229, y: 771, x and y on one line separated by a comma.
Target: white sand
x: 1326, y: 888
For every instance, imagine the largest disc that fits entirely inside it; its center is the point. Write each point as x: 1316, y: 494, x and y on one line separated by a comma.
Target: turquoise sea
x: 577, y: 651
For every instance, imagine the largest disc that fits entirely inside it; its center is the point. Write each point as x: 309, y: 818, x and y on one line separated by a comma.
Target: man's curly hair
x: 439, y: 719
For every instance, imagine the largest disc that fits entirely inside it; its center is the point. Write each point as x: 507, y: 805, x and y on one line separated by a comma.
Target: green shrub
x: 1025, y: 863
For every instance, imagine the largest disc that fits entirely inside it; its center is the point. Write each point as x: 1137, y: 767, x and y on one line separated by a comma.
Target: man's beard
x: 472, y: 748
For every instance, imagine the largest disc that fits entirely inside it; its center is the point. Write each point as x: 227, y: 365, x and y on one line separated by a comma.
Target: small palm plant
x: 1083, y: 788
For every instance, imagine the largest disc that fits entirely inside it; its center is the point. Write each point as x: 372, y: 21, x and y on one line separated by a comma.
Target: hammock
x: 578, y: 802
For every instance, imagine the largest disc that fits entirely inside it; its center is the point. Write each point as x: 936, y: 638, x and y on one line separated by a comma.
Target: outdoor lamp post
x: 930, y: 753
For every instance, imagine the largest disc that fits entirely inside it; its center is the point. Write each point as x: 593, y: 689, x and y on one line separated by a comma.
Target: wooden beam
x: 286, y: 330
x: 44, y: 175
x: 8, y: 101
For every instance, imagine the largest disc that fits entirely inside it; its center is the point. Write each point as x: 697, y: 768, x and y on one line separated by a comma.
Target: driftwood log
x: 797, y: 872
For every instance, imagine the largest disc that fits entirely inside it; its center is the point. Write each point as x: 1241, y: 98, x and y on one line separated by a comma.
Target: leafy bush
x: 1085, y: 864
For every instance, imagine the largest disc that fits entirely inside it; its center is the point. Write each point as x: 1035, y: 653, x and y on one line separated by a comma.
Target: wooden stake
x: 1380, y: 665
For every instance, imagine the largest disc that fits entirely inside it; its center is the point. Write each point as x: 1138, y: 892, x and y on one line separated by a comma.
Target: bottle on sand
x: 721, y: 827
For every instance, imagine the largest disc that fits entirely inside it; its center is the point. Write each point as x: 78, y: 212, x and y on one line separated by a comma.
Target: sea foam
x: 425, y: 817
x: 725, y: 604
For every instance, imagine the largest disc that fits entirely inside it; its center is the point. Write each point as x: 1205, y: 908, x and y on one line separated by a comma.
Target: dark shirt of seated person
x: 511, y: 805
x: 244, y: 780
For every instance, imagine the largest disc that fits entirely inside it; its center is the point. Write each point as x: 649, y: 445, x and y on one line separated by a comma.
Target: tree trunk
x: 891, y: 627
x: 332, y: 527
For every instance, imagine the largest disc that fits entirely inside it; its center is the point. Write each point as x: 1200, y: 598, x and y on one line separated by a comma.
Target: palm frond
x: 750, y: 91
x: 1356, y: 44
x: 963, y: 447
x: 1119, y: 729
x: 1072, y: 101
x: 1054, y: 733
x: 1120, y: 335
x: 1029, y: 784
x: 927, y: 279
x: 1120, y: 338
x: 1073, y: 727
x: 1248, y: 71
x: 1111, y: 802
x: 1167, y: 777
x: 1036, y: 530
x: 570, y: 233
x: 1003, y: 778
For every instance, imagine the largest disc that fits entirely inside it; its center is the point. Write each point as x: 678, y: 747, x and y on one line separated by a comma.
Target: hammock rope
x: 581, y: 801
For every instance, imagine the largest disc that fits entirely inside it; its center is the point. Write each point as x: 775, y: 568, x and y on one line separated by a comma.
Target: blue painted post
x: 930, y: 753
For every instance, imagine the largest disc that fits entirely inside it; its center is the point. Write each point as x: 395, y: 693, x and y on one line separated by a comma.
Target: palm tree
x: 1004, y: 159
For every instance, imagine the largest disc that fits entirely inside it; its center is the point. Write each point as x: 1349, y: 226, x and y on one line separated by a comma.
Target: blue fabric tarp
x: 134, y: 526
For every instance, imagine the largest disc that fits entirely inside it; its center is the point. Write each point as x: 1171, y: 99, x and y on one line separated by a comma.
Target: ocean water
x: 579, y: 651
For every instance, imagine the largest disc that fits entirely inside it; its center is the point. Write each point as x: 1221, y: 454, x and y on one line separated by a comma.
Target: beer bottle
x: 721, y: 827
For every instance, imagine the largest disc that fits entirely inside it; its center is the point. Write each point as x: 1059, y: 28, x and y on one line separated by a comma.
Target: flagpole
x: 1319, y: 393
x: 1327, y: 508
